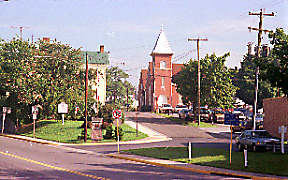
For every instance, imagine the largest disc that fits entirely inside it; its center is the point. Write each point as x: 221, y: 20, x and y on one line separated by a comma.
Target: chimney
x: 101, y: 48
x: 46, y: 39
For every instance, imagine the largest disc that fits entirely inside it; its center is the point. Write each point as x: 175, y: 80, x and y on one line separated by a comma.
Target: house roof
x: 176, y: 68
x: 96, y: 57
x: 162, y: 45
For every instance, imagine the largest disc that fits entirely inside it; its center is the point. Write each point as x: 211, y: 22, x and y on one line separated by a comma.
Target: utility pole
x: 260, y: 30
x: 127, y: 99
x: 198, y: 103
x: 86, y: 98
x: 21, y: 28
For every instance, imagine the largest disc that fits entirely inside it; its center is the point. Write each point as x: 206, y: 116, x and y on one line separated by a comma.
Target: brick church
x: 155, y: 83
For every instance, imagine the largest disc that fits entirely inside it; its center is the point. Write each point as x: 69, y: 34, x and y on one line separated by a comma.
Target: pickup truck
x: 166, y: 108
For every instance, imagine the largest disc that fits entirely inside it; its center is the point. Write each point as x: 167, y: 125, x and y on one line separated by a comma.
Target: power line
x: 21, y: 28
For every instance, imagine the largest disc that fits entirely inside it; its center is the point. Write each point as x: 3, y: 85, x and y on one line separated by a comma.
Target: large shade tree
x: 43, y: 74
x: 276, y: 65
x: 244, y: 79
x: 216, y: 86
x: 117, y: 86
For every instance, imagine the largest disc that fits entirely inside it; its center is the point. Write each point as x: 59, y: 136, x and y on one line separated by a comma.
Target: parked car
x: 245, y: 111
x: 256, y: 140
x: 179, y: 107
x: 166, y: 108
x: 204, y: 113
x: 185, y: 113
x: 243, y: 125
x: 217, y: 115
x: 259, y: 117
x: 242, y: 117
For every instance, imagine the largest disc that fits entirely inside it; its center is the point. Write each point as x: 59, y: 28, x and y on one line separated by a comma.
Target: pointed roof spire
x: 162, y: 45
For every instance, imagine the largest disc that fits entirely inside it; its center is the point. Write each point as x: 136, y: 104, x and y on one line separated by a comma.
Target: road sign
x: 117, y: 113
x: 63, y: 108
x: 231, y: 119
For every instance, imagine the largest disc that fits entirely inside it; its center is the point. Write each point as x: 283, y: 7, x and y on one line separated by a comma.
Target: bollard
x: 190, y: 150
x: 245, y: 158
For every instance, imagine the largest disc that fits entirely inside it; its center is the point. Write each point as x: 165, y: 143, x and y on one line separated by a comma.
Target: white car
x: 179, y: 107
x: 166, y: 108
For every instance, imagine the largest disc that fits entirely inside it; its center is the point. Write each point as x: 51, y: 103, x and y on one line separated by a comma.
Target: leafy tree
x: 42, y: 73
x: 276, y: 64
x: 245, y: 81
x: 117, y: 86
x: 216, y: 82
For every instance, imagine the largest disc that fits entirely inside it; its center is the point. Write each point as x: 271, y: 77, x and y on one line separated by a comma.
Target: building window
x: 163, y: 81
x: 162, y: 65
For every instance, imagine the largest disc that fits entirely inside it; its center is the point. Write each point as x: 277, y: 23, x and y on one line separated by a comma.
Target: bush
x: 109, y: 133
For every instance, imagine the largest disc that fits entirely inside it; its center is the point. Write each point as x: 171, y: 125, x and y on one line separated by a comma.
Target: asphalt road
x: 180, y: 135
x: 26, y: 160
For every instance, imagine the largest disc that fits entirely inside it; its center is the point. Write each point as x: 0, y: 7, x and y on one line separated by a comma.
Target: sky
x: 129, y: 29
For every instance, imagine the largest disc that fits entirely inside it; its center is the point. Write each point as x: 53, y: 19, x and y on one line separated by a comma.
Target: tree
x: 245, y: 81
x: 43, y: 74
x: 217, y: 90
x: 276, y: 64
x: 117, y: 86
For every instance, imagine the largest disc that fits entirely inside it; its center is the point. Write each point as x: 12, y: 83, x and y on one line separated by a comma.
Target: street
x: 27, y: 160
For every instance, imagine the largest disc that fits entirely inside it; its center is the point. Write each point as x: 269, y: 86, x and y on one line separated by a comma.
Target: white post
x: 63, y: 119
x: 189, y: 150
x: 3, y: 121
x: 282, y: 130
x: 245, y: 158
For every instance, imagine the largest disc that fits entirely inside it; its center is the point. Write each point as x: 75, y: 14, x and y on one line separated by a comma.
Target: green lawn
x: 69, y: 132
x: 261, y: 162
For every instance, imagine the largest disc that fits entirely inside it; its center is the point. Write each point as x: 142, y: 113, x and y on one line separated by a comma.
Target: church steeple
x: 162, y: 45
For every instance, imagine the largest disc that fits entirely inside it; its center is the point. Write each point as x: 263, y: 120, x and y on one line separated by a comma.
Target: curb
x: 236, y: 175
x: 31, y: 139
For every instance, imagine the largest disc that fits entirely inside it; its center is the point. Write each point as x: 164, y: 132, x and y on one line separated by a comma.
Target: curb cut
x: 192, y: 169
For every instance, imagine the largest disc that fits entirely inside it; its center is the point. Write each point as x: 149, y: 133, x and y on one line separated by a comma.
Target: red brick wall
x: 275, y: 115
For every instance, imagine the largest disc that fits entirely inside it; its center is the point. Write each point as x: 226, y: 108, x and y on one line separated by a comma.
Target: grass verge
x: 260, y: 162
x: 68, y: 133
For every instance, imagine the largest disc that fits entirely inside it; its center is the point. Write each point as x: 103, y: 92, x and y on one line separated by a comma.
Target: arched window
x: 162, y: 65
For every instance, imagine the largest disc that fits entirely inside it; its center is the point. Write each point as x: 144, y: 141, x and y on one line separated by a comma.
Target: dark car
x: 243, y: 125
x: 217, y: 115
x: 184, y: 113
x: 256, y: 140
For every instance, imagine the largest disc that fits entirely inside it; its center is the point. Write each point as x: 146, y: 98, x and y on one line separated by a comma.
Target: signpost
x: 34, y: 117
x: 63, y: 109
x: 116, y: 114
x: 6, y: 110
x: 231, y: 119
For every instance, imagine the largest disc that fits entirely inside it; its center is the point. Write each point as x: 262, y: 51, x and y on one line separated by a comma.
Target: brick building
x: 275, y: 115
x: 155, y: 83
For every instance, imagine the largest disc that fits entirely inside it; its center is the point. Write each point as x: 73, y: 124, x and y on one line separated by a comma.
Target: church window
x: 162, y: 65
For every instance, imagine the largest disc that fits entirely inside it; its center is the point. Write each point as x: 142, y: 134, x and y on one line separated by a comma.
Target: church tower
x: 161, y: 71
